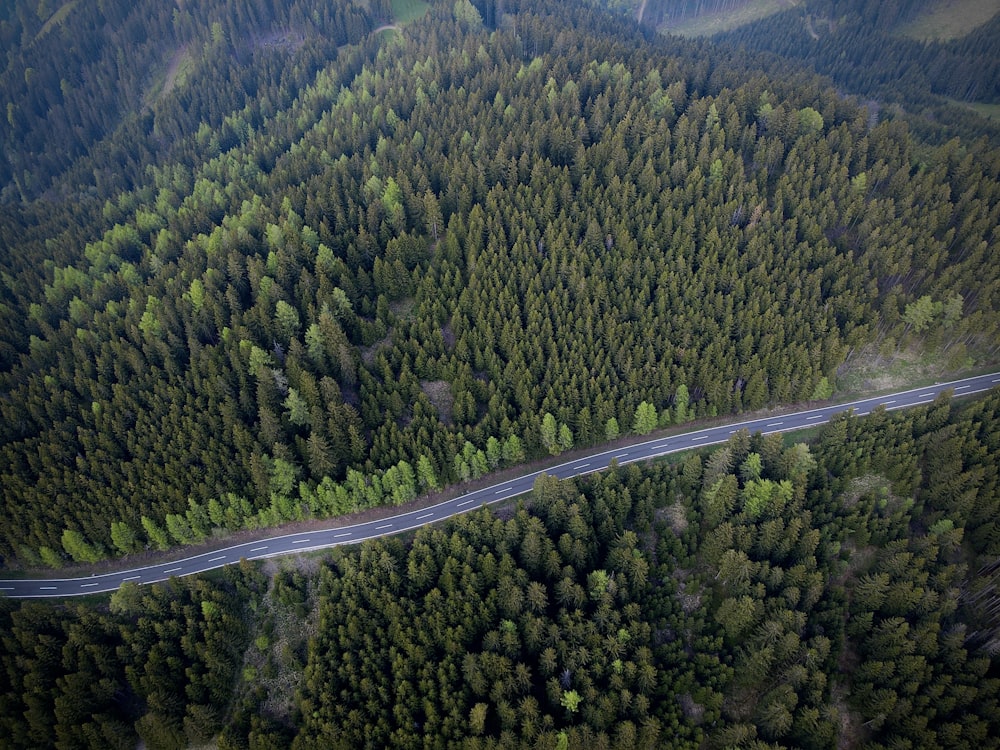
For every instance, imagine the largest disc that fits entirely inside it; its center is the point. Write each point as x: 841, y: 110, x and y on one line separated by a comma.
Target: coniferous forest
x: 760, y: 594
x: 262, y: 262
x: 413, y: 259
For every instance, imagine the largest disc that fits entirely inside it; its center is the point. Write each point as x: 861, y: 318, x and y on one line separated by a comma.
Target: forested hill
x: 859, y: 45
x: 94, y: 93
x: 453, y: 247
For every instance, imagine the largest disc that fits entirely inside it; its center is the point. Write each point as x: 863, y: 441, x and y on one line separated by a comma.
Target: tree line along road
x: 598, y: 460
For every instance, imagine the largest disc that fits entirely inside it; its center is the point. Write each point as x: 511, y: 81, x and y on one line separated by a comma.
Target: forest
x: 269, y: 261
x: 338, y: 269
x: 764, y: 593
x: 858, y: 45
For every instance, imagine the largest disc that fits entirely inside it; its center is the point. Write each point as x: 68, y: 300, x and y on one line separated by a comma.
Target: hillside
x: 894, y: 54
x: 453, y: 248
x: 89, y: 90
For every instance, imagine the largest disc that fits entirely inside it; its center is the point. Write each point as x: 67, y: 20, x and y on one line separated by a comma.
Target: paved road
x: 311, y: 540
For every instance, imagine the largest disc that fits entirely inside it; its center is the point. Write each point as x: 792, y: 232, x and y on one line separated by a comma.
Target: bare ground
x: 438, y: 392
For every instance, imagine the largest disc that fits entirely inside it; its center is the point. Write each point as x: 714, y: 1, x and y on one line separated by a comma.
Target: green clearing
x: 950, y: 19
x: 404, y: 11
x: 992, y: 111
x: 707, y: 24
x: 174, y: 74
x: 55, y: 19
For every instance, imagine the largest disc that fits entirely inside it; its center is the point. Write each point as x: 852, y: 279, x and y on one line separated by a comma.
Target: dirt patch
x: 438, y: 392
x: 403, y: 308
x: 448, y: 335
x: 282, y: 39
x: 368, y: 352
x: 869, y: 483
x: 675, y: 515
x: 849, y: 729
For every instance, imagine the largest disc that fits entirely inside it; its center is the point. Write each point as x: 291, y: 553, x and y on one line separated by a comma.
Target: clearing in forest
x: 950, y: 19
x: 55, y: 19
x: 706, y: 24
x: 404, y: 11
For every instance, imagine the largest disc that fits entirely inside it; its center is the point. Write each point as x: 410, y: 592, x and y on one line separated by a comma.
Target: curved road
x: 312, y: 540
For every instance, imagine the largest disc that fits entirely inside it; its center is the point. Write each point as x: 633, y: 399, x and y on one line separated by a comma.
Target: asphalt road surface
x: 312, y: 540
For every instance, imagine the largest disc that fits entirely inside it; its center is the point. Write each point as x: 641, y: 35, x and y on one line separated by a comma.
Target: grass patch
x: 910, y: 367
x: 174, y: 74
x: 950, y: 19
x: 55, y: 19
x: 404, y: 11
x: 707, y: 24
x: 989, y: 111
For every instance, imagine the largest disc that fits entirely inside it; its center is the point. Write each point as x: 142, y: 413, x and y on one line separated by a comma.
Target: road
x: 597, y: 461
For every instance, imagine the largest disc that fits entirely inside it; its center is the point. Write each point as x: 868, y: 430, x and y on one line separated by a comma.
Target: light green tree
x: 513, y: 450
x: 297, y: 408
x: 155, y: 533
x: 467, y: 15
x: 426, y: 474
x: 751, y: 468
x: 287, y: 318
x: 571, y: 700
x: 565, y: 437
x: 645, y: 418
x: 78, y: 548
x: 918, y: 315
x: 611, y: 429
x: 123, y: 537
x: 494, y: 452
x: 810, y: 121
x: 550, y: 434
x: 823, y: 390
x: 681, y: 401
